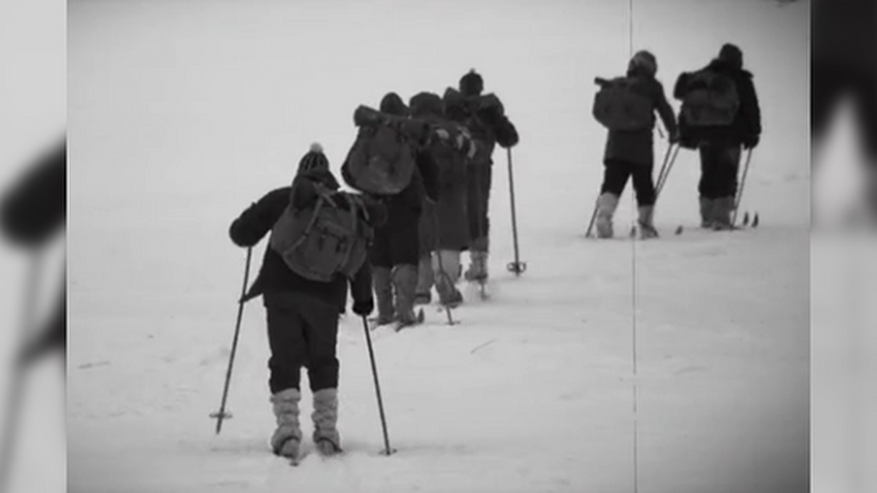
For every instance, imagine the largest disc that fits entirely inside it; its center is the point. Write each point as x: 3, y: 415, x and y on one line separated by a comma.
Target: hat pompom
x: 316, y: 147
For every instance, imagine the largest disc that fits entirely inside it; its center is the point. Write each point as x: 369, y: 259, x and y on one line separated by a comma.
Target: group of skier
x: 719, y: 115
x: 423, y: 173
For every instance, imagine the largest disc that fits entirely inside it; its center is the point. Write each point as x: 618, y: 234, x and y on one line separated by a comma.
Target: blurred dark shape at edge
x: 30, y: 213
x: 844, y: 63
x: 36, y: 207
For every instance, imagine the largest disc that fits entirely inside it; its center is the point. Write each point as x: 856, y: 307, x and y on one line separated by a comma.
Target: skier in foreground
x: 631, y: 153
x: 302, y: 314
x: 719, y: 141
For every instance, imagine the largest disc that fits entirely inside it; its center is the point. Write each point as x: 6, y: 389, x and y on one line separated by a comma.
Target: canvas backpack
x: 324, y: 239
x: 382, y: 158
x: 619, y: 108
x: 710, y: 100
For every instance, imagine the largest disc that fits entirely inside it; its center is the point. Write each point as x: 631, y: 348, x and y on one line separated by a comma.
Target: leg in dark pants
x: 643, y: 185
x: 302, y: 331
x: 381, y: 257
x: 478, y: 183
x: 720, y: 162
x: 286, y: 339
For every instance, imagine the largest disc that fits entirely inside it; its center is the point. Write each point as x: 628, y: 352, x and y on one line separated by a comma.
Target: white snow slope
x: 183, y: 113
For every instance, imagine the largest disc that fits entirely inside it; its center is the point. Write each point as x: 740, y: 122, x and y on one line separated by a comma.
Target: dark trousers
x: 615, y: 176
x: 397, y: 243
x: 719, y: 163
x: 302, y: 332
x: 478, y: 182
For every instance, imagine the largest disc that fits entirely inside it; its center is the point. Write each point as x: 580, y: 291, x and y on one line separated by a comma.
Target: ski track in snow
x: 545, y: 403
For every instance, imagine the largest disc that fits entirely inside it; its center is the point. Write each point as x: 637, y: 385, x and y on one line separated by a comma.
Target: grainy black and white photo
x: 469, y: 246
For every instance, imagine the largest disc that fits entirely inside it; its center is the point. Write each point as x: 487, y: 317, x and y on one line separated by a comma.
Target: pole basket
x: 517, y: 268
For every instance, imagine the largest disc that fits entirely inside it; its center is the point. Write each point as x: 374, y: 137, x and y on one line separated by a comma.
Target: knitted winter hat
x: 732, y: 55
x: 425, y: 103
x: 392, y: 104
x: 314, y: 159
x: 471, y: 84
x: 645, y: 60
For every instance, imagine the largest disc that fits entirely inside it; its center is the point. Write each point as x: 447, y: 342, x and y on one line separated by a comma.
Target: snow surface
x: 182, y: 113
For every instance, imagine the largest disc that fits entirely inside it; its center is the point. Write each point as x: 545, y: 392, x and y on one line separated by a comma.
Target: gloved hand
x: 750, y: 142
x: 674, y: 137
x: 364, y: 308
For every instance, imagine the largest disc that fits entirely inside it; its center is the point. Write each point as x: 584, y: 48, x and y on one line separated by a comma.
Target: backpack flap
x: 381, y: 160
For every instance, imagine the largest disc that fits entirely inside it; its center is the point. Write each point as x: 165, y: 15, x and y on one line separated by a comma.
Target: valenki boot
x: 405, y: 282
x: 325, y: 416
x: 606, y: 205
x: 478, y: 260
x: 646, y: 215
x: 287, y: 437
x: 722, y: 213
x: 446, y: 278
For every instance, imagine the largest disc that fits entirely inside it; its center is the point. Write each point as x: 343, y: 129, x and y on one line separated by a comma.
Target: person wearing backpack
x: 303, y: 313
x: 629, y: 148
x: 444, y: 225
x: 720, y: 113
x: 483, y: 115
x: 395, y: 253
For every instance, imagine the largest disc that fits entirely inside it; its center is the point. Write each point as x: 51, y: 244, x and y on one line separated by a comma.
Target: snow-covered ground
x: 182, y: 113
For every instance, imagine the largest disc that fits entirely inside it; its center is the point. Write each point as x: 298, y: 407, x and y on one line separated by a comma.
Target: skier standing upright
x: 484, y: 117
x: 719, y: 144
x: 631, y: 153
x: 302, y: 314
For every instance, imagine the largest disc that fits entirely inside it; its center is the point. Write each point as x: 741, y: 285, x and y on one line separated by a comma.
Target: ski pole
x: 16, y: 391
x: 517, y: 266
x: 222, y: 414
x: 740, y: 191
x: 371, y: 355
x: 664, y: 165
x: 662, y: 179
x: 593, y: 218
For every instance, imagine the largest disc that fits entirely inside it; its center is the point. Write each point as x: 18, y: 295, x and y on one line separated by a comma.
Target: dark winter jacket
x: 257, y: 221
x: 637, y: 147
x: 484, y: 117
x: 747, y: 123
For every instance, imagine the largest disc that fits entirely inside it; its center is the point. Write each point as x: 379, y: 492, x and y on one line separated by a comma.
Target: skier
x: 484, y: 117
x: 443, y: 225
x: 396, y: 250
x: 719, y: 145
x: 631, y: 153
x: 302, y: 314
